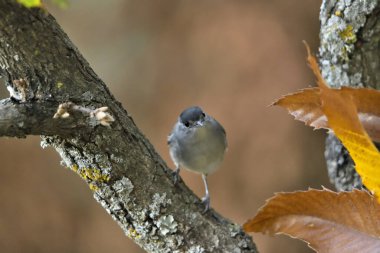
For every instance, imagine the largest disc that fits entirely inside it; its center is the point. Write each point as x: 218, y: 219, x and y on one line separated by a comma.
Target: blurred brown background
x: 233, y: 58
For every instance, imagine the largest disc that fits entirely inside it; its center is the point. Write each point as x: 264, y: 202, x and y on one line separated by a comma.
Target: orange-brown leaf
x: 305, y: 106
x: 331, y: 222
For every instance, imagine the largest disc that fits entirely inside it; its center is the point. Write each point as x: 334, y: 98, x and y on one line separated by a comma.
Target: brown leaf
x: 305, y: 106
x: 330, y: 222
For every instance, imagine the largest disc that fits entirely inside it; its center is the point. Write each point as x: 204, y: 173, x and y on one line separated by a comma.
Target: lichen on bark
x: 349, y: 56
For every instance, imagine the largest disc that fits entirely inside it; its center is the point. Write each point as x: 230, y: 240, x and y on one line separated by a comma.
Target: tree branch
x: 349, y: 56
x: 128, y: 177
x: 36, y: 118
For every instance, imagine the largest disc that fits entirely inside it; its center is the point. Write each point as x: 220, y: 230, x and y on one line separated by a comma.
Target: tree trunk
x: 43, y: 70
x: 349, y: 56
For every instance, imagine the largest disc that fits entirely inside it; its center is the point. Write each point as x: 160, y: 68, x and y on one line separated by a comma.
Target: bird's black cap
x: 191, y: 114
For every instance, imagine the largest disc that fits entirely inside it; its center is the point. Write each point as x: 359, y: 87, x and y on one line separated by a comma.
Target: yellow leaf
x: 342, y: 116
x: 30, y: 3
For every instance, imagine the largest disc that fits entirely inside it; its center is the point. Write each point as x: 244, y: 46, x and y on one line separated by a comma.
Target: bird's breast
x: 201, y: 149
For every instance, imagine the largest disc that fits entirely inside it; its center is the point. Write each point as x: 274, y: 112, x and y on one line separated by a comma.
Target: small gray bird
x: 198, y: 143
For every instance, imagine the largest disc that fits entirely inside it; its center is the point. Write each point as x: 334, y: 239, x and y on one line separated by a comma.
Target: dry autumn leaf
x: 331, y: 222
x: 305, y: 106
x: 341, y: 112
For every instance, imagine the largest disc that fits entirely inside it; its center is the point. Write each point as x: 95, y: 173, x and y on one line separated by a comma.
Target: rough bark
x: 349, y: 56
x: 128, y: 177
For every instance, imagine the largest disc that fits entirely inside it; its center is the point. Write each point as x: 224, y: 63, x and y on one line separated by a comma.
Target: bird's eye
x: 187, y: 124
x: 203, y: 114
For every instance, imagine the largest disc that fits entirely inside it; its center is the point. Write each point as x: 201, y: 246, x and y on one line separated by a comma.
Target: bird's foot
x: 206, y: 203
x: 176, y: 177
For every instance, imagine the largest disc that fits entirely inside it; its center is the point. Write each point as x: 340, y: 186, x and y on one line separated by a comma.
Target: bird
x: 198, y: 143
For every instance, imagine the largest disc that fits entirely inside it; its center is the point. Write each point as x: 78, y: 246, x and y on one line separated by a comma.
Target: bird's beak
x: 200, y: 123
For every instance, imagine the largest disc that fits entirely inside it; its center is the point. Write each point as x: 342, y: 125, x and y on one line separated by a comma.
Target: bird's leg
x: 176, y: 175
x: 206, y: 198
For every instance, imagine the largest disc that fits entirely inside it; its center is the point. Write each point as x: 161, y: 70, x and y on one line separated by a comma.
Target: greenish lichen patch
x: 93, y: 176
x: 59, y: 85
x: 167, y: 225
x: 348, y: 35
x: 132, y: 233
x: 124, y: 187
x: 158, y: 202
x: 338, y: 13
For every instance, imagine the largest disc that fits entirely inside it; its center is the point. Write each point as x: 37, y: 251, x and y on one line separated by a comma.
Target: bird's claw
x: 176, y: 177
x: 206, y: 203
